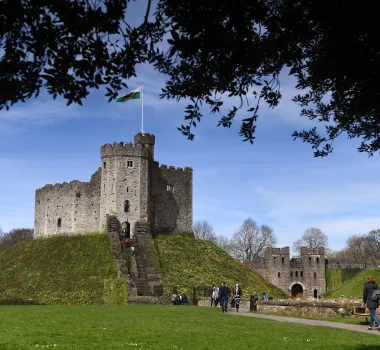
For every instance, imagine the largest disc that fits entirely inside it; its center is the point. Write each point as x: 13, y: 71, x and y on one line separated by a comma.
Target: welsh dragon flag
x: 133, y: 95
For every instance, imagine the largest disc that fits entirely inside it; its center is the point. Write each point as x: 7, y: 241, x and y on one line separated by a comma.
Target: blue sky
x: 276, y: 181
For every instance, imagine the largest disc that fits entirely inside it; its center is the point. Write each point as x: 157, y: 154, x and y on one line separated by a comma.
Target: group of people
x: 128, y: 238
x: 179, y: 299
x: 223, y: 293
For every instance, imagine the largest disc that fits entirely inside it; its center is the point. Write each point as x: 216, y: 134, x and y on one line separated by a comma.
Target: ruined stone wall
x: 68, y: 207
x: 122, y: 170
x: 172, y: 198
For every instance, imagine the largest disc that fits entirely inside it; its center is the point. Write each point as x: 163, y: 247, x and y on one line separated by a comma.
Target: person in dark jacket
x: 372, y: 305
x: 224, y: 294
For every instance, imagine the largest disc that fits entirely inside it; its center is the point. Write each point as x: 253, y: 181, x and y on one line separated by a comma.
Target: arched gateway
x: 297, y: 289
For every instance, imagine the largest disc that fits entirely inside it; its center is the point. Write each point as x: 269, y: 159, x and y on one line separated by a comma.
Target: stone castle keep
x: 130, y: 185
x: 303, y: 276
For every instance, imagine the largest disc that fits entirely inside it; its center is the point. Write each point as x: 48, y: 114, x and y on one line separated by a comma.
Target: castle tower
x: 313, y: 260
x: 125, y: 181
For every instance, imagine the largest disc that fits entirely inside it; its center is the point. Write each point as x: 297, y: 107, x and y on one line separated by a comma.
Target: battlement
x: 173, y: 169
x: 312, y: 251
x: 122, y: 149
x: 65, y: 186
x: 278, y: 251
x: 145, y: 138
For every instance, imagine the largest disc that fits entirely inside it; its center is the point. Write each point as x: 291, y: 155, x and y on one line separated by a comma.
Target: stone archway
x: 297, y: 289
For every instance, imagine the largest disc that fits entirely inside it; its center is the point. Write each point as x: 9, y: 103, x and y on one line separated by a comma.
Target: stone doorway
x: 297, y: 291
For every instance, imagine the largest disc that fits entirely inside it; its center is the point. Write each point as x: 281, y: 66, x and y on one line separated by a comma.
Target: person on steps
x: 372, y: 305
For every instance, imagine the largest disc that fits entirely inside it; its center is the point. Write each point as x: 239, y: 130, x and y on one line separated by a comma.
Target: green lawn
x: 161, y: 327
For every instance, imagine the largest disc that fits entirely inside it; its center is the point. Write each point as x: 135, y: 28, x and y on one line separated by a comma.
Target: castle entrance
x: 297, y: 290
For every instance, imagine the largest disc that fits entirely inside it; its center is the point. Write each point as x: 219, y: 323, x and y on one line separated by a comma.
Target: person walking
x: 236, y: 295
x: 223, y: 296
x: 372, y: 305
x: 214, y: 296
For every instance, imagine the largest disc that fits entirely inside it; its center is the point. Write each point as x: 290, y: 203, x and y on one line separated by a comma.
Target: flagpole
x: 142, y: 109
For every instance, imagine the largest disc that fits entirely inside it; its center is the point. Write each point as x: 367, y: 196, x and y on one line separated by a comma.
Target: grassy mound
x: 336, y: 277
x: 353, y: 287
x: 58, y: 270
x: 187, y: 263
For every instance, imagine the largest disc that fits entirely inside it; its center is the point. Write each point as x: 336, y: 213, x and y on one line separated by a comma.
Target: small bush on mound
x: 56, y: 270
x: 187, y: 262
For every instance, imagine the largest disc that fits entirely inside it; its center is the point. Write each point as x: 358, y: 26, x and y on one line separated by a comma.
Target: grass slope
x: 162, y: 327
x: 336, y: 277
x: 187, y: 262
x: 63, y: 269
x: 353, y: 287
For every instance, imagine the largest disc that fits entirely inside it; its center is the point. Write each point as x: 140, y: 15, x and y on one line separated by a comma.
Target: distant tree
x: 14, y: 236
x: 251, y: 241
x: 203, y: 230
x: 312, y: 238
x: 238, y: 49
x: 223, y: 242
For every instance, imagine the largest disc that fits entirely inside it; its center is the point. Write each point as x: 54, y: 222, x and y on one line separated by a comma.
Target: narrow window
x: 129, y: 164
x: 59, y: 223
x: 274, y: 259
x: 169, y: 188
x: 127, y: 189
x: 309, y: 260
x: 315, y: 274
x: 317, y: 260
x: 291, y: 273
x: 282, y: 259
x: 126, y: 206
x: 296, y: 273
x: 104, y: 165
x: 279, y: 275
x: 301, y: 273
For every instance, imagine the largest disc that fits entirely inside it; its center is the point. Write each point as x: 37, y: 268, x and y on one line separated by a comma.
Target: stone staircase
x: 140, y: 268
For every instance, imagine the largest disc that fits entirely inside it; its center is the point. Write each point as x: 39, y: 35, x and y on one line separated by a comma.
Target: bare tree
x: 203, y: 230
x: 223, y: 242
x: 14, y: 236
x: 251, y: 241
x: 312, y: 238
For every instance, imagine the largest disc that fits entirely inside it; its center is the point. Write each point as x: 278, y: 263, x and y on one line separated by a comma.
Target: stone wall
x: 298, y: 307
x: 173, y: 205
x: 68, y: 208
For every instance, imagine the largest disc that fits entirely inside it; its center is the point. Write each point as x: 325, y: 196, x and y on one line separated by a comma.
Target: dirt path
x: 349, y: 327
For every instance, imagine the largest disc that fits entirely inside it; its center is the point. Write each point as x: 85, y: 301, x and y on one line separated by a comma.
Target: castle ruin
x: 303, y: 276
x: 130, y: 185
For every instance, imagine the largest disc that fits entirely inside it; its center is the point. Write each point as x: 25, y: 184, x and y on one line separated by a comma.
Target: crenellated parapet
x: 312, y: 251
x: 173, y: 169
x: 123, y: 149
